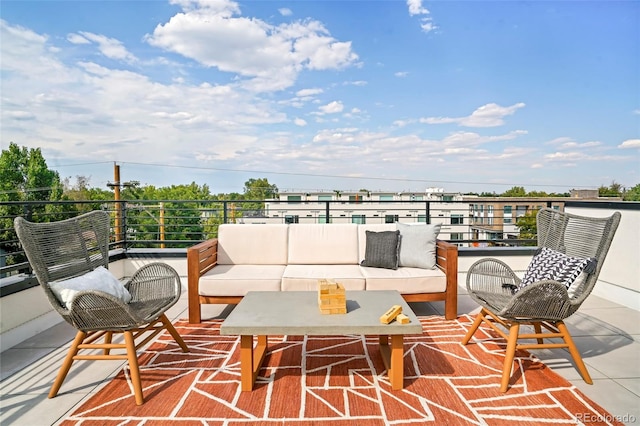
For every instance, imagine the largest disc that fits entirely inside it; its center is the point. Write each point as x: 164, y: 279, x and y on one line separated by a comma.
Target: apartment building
x: 434, y: 205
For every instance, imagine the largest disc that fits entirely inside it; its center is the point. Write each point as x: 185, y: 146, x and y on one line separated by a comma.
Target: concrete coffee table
x: 296, y: 313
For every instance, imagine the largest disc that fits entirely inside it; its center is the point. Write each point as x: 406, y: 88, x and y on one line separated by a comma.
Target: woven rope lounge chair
x: 68, y: 250
x: 572, y: 250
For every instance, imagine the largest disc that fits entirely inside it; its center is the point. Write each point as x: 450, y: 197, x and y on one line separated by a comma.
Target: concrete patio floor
x: 607, y: 334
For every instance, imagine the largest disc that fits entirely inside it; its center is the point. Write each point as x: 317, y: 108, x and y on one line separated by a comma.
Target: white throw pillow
x: 99, y: 279
x: 418, y: 245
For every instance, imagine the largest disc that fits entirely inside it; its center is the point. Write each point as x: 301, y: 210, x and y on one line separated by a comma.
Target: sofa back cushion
x: 323, y: 244
x: 252, y: 244
x: 362, y: 235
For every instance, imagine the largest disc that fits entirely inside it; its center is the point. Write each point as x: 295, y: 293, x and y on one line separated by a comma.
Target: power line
x: 426, y: 181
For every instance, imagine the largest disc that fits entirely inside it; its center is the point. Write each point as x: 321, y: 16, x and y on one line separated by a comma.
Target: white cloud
x: 299, y: 122
x: 109, y: 47
x: 266, y: 57
x: 489, y: 115
x: 309, y: 92
x: 416, y: 9
x: 630, y: 143
x: 75, y: 38
x: 285, y: 11
x: 332, y: 107
x: 401, y: 74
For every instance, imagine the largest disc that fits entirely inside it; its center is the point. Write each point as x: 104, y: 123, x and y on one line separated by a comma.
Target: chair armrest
x: 546, y: 299
x: 154, y: 281
x: 491, y: 275
x: 200, y: 258
x: 447, y: 262
x: 96, y: 310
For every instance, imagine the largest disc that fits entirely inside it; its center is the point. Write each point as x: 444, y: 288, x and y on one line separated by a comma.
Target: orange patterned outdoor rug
x: 338, y: 381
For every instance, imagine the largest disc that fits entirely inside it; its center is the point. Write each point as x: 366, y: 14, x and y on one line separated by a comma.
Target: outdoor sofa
x: 281, y: 257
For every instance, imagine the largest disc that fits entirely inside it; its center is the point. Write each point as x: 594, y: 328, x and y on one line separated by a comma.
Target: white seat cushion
x: 237, y: 280
x: 405, y: 280
x: 305, y: 277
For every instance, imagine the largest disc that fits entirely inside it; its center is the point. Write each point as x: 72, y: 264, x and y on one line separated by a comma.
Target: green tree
x: 80, y: 191
x: 632, y: 194
x: 516, y: 191
x: 254, y: 189
x: 528, y: 227
x: 166, y: 213
x: 613, y: 190
x: 259, y: 189
x: 24, y: 176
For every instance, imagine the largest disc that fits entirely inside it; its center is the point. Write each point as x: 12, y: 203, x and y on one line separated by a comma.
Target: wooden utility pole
x: 162, y: 245
x: 116, y: 197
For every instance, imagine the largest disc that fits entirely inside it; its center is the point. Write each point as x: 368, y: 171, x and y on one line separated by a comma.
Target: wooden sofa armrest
x: 447, y: 261
x: 200, y: 259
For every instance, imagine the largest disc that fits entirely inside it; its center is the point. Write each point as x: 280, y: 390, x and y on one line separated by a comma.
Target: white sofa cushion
x: 305, y: 277
x: 328, y: 244
x: 237, y: 280
x: 405, y: 280
x: 252, y: 244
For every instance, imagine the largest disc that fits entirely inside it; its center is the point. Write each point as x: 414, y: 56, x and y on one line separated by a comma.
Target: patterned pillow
x: 381, y: 249
x: 550, y: 264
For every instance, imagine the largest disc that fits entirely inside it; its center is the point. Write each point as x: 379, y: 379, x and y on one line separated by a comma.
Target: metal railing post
x: 327, y: 211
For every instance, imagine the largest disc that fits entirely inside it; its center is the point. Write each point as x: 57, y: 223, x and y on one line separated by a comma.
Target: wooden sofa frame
x: 204, y: 256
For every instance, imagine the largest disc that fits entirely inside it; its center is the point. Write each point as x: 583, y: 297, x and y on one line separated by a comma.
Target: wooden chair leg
x: 174, y: 333
x: 474, y: 327
x: 108, y: 337
x: 575, y: 353
x: 132, y: 357
x: 510, y: 354
x: 537, y: 327
x: 66, y: 365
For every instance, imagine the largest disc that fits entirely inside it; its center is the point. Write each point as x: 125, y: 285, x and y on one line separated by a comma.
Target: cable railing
x: 178, y: 224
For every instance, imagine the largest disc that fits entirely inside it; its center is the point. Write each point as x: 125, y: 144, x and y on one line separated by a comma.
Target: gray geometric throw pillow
x: 381, y: 249
x: 553, y: 265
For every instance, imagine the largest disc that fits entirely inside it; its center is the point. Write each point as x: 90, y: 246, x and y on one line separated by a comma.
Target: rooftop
x: 606, y: 329
x: 608, y: 335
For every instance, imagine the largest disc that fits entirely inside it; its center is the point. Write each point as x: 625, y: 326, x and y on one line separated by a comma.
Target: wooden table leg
x: 393, y: 359
x: 251, y: 360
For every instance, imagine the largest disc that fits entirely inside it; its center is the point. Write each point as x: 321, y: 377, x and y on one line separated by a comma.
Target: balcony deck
x: 607, y: 334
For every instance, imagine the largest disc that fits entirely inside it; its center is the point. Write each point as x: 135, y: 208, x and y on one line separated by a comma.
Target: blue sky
x: 382, y: 95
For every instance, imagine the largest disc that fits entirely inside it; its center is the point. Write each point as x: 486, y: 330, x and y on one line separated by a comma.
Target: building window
x: 457, y: 236
x: 322, y: 218
x: 490, y: 209
x: 356, y: 199
x: 359, y: 218
x: 507, y: 215
x: 390, y: 218
x: 422, y: 218
x: 325, y: 197
x: 292, y: 218
x: 490, y: 220
x: 386, y: 198
x: 294, y: 199
x: 447, y: 198
x: 457, y: 219
x: 521, y: 211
